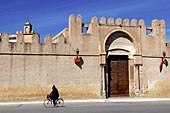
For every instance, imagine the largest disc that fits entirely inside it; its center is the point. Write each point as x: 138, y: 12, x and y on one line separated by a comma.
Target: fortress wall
x: 156, y: 82
x: 145, y: 37
x: 150, y: 38
x: 42, y: 65
x: 153, y: 44
x: 77, y: 36
x: 44, y: 71
x: 47, y: 70
x: 29, y: 65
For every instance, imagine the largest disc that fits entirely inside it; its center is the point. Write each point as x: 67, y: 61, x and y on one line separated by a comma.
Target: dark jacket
x: 54, y: 93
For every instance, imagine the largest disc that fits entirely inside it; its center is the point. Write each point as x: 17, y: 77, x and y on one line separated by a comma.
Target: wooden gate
x: 119, y: 79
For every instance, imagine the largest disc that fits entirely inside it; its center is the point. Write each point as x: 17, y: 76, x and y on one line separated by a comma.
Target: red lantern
x: 76, y: 60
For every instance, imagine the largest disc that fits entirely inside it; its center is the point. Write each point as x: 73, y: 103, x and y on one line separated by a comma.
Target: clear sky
x: 51, y: 16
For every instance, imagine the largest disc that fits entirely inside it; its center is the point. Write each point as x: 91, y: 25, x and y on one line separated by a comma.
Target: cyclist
x: 54, y: 94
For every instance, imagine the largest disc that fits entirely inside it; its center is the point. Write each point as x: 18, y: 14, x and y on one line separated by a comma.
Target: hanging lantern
x: 163, y: 61
x: 164, y: 53
x: 77, y: 51
x: 77, y: 59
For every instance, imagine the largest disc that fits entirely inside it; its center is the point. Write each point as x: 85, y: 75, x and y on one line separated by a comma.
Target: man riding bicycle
x: 54, y: 94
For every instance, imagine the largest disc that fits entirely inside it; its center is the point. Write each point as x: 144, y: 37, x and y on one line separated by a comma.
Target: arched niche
x: 119, y: 43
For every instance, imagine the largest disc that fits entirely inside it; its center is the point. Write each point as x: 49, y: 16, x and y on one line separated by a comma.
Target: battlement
x: 22, y: 47
x: 66, y: 41
x: 118, y: 21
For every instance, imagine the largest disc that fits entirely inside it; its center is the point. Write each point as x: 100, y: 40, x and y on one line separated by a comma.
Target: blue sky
x: 51, y: 16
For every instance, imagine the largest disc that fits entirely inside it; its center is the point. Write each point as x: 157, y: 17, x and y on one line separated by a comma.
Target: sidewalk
x: 119, y: 100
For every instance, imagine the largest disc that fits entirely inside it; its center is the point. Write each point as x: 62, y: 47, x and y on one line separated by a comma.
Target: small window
x: 84, y: 28
x: 148, y: 31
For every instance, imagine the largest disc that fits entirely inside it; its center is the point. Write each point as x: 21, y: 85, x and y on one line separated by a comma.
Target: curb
x: 123, y: 100
x: 20, y: 103
x: 116, y: 100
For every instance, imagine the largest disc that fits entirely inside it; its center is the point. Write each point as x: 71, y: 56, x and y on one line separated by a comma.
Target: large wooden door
x: 119, y: 80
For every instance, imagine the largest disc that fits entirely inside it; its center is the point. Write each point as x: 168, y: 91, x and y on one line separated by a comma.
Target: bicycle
x: 48, y: 102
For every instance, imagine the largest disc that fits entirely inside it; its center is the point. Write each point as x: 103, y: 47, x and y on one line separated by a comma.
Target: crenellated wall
x: 29, y: 64
x: 143, y: 36
x: 148, y: 42
x: 39, y: 65
x: 20, y: 47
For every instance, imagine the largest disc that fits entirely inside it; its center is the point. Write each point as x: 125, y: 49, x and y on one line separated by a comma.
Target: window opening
x: 148, y: 31
x: 84, y: 28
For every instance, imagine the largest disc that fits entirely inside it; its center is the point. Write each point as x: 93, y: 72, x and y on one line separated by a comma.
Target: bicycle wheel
x: 48, y: 103
x: 60, y: 102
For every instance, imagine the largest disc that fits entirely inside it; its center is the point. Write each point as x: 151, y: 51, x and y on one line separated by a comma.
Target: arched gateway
x: 119, y: 49
x: 114, y: 57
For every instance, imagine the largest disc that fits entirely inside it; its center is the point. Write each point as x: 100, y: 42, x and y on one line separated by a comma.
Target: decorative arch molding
x: 118, y: 30
x: 120, y: 41
x: 118, y: 51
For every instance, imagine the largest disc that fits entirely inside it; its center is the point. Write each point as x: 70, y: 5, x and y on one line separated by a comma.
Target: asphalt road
x: 107, y: 107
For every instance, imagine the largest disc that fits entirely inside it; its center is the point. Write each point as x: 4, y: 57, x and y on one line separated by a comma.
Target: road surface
x: 91, y: 107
